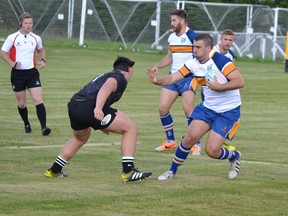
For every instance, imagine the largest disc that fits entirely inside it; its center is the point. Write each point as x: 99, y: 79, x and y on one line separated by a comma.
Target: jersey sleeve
x: 224, y: 64
x: 6, y: 47
x: 185, y: 69
x: 191, y: 35
x: 38, y: 40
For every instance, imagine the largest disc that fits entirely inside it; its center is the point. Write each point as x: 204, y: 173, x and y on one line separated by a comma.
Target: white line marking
x: 118, y: 144
x: 57, y: 146
x: 262, y: 163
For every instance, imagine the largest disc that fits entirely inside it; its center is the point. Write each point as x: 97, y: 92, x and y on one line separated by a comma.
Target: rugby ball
x: 106, y: 119
x: 220, y: 77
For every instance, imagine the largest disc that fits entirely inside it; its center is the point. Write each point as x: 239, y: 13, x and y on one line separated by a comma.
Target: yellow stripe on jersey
x: 180, y: 49
x: 184, y: 71
x: 228, y: 68
x: 201, y: 81
x: 224, y: 64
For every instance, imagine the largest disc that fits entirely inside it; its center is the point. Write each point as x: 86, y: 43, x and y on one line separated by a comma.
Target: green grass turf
x: 201, y: 186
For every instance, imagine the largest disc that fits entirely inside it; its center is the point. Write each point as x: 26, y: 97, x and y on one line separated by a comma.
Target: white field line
x: 263, y: 163
x: 118, y: 144
x: 56, y: 146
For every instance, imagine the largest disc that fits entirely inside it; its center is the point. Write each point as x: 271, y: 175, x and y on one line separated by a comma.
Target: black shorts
x: 22, y: 79
x: 81, y: 114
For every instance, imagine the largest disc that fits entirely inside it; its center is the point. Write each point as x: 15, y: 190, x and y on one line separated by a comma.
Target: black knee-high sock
x: 41, y: 114
x: 24, y: 115
x: 58, y: 165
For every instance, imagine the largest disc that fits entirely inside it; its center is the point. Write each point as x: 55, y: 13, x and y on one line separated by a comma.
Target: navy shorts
x: 22, y: 79
x: 225, y: 124
x: 181, y: 86
x: 81, y: 114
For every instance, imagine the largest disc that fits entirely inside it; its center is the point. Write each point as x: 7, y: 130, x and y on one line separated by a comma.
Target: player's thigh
x: 121, y: 123
x: 196, y: 130
x: 167, y: 98
x: 21, y: 98
x: 36, y: 94
x: 82, y: 135
x: 188, y: 101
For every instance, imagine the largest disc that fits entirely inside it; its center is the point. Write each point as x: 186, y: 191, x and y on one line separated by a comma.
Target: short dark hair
x: 208, y: 40
x: 180, y: 13
x: 23, y: 16
x: 122, y: 63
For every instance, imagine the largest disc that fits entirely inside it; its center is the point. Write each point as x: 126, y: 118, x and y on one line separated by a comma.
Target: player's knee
x: 188, y: 141
x: 213, y: 153
x: 133, y: 127
x: 163, y: 110
x: 21, y: 105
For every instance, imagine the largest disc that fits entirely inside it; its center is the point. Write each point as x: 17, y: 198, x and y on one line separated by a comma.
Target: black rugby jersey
x: 91, y: 89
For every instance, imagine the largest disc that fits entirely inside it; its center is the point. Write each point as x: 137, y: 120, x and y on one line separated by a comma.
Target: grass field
x: 201, y: 186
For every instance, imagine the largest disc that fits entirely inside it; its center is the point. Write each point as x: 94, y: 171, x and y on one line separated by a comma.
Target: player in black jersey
x: 91, y: 108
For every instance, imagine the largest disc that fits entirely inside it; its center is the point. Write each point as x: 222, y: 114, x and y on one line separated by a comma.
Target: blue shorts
x: 181, y: 86
x: 225, y: 124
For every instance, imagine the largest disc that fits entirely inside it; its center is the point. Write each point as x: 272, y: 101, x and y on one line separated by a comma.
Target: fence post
x: 82, y: 26
x: 286, y: 61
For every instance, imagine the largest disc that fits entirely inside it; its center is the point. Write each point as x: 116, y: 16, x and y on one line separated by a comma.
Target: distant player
x: 226, y: 42
x: 19, y: 51
x: 224, y: 47
x: 179, y: 51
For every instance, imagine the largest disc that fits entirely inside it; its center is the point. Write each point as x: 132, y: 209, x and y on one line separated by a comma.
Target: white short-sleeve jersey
x: 181, y: 48
x: 214, y: 100
x: 22, y: 48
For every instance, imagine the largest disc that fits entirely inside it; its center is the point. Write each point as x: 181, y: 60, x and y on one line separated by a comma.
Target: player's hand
x: 152, y: 75
x: 41, y: 64
x: 15, y: 65
x: 98, y: 114
x: 155, y: 69
x: 214, y: 85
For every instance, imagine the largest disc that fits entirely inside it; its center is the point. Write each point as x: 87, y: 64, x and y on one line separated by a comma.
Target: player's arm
x: 167, y: 60
x: 236, y: 81
x: 6, y: 57
x: 106, y: 90
x: 42, y: 54
x: 5, y: 52
x: 165, y: 80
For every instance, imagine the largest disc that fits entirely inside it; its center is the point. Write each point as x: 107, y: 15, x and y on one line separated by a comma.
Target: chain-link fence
x: 260, y: 31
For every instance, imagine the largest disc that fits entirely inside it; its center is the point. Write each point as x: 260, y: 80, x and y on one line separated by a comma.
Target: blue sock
x: 167, y: 122
x: 179, y: 157
x: 226, y: 154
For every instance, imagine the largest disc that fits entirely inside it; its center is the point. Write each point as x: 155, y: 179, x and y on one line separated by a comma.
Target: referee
x: 19, y: 51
